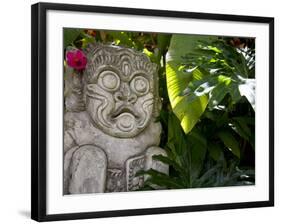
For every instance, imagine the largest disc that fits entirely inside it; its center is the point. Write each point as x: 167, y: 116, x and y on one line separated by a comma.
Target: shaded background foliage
x: 207, y: 89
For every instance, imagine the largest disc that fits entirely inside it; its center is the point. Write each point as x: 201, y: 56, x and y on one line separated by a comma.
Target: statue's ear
x: 73, y: 90
x: 155, y: 69
x: 90, y: 47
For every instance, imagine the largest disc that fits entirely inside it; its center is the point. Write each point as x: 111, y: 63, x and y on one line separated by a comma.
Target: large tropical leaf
x: 234, y: 66
x: 188, y: 106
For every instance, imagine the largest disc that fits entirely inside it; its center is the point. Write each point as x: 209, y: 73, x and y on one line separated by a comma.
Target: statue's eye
x: 140, y: 85
x: 109, y: 80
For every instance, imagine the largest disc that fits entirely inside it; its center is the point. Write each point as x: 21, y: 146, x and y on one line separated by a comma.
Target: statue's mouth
x: 124, y: 110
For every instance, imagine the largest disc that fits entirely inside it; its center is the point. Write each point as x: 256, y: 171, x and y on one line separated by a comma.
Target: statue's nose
x: 125, y: 94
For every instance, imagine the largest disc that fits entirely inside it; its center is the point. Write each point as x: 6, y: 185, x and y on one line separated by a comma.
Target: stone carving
x: 110, y: 132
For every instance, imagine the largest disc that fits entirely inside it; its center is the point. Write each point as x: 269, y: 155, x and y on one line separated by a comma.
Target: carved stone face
x: 120, y: 90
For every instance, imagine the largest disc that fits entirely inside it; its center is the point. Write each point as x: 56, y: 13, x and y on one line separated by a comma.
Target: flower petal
x: 76, y: 59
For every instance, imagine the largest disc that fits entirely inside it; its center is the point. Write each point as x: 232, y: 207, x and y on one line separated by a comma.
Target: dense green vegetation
x: 207, y: 88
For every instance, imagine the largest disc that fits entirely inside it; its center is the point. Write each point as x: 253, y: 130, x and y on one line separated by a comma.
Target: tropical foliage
x: 207, y: 88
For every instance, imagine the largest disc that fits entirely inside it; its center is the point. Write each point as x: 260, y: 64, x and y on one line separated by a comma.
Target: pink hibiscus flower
x: 76, y: 59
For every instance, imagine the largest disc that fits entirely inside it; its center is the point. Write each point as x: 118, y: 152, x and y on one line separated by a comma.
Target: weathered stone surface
x: 116, y: 135
x: 88, y: 170
x: 155, y: 164
x: 134, y: 165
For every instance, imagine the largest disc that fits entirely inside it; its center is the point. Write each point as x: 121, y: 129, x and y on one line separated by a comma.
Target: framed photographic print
x: 138, y: 111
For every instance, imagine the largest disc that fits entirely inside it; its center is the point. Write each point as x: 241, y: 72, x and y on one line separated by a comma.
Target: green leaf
x: 163, y: 41
x: 87, y: 39
x: 230, y: 142
x: 207, y: 179
x: 189, y: 107
x: 198, y: 149
x: 242, y: 126
x: 176, y: 138
x: 170, y: 162
x: 242, y: 121
x: 234, y: 92
x: 215, y: 151
x: 243, y: 87
x: 152, y: 55
x: 217, y: 95
x: 70, y: 35
x: 161, y: 179
x: 236, y: 126
x: 121, y: 38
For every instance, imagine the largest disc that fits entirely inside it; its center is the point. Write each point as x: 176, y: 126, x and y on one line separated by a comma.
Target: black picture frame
x: 39, y: 114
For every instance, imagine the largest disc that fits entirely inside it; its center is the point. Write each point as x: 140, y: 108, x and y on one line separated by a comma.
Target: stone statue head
x: 121, y: 90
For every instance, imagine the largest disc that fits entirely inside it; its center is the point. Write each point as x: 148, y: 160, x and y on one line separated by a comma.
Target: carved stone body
x: 110, y: 131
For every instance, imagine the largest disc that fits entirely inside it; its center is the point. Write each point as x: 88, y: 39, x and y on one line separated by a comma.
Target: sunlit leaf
x: 217, y: 95
x: 189, y: 107
x: 121, y: 38
x: 87, y: 39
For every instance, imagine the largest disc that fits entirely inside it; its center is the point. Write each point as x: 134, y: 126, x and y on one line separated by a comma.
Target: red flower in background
x: 76, y: 59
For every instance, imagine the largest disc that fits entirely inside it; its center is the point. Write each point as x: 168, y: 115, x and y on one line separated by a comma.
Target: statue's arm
x: 151, y: 163
x: 144, y: 162
x: 84, y: 167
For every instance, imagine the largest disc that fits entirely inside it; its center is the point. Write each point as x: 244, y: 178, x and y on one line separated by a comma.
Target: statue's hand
x: 151, y: 163
x: 144, y: 162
